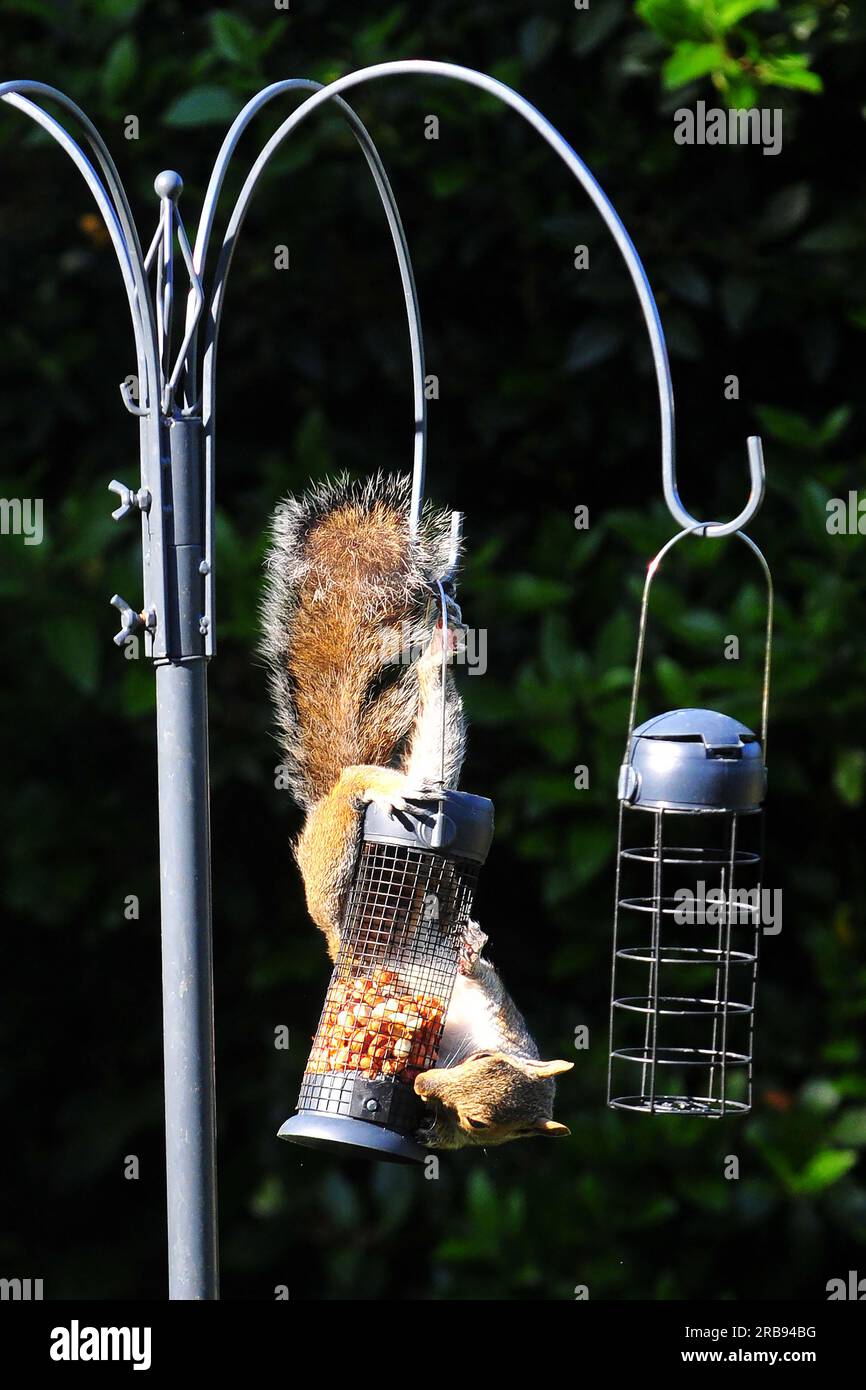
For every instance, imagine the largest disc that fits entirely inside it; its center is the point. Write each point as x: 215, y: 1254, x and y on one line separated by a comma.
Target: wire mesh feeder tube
x: 391, y: 986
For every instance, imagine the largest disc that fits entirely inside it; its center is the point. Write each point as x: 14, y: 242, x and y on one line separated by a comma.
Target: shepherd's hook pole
x: 173, y: 398
x: 172, y: 620
x: 176, y: 617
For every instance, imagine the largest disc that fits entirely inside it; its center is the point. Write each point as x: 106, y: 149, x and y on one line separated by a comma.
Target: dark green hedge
x: 546, y: 402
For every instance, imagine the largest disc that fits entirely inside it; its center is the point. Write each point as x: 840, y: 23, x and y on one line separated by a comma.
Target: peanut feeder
x: 391, y: 986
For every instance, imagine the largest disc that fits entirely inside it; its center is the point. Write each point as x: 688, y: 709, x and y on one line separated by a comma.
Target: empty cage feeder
x: 687, y: 916
x: 391, y: 986
x: 688, y: 902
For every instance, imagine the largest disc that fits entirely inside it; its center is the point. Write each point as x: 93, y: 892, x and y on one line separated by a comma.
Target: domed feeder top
x: 464, y: 831
x: 694, y: 760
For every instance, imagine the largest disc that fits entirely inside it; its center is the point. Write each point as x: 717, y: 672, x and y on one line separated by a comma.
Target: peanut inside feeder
x: 385, y: 1007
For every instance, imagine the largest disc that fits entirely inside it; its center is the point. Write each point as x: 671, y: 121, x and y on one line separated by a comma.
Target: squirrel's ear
x: 552, y: 1128
x: 548, y: 1068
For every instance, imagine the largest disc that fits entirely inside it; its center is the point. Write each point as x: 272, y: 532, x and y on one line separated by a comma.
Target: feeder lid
x: 694, y: 759
x: 453, y: 823
x: 716, y: 730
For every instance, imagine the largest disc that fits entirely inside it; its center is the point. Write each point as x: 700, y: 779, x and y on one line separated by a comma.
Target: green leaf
x: 116, y: 9
x: 789, y: 70
x: 269, y: 1198
x: 844, y: 235
x: 120, y: 67
x: 233, y: 38
x: 825, y: 1169
x: 202, y: 106
x: 738, y: 297
x: 849, y: 775
x: 850, y: 1128
x: 842, y: 1050
x: 673, y: 682
x: 741, y: 93
x: 730, y: 12
x: 450, y: 178
x: 372, y: 39
x: 139, y: 688
x: 537, y: 37
x: 590, y: 848
x: 74, y: 647
x: 675, y: 19
x: 788, y: 427
x: 594, y: 342
x: 691, y: 60
x: 785, y: 210
x: 593, y: 26
x: 528, y: 593
x: 834, y: 423
x: 699, y: 626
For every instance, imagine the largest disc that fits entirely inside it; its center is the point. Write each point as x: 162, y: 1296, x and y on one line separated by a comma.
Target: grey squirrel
x: 347, y: 592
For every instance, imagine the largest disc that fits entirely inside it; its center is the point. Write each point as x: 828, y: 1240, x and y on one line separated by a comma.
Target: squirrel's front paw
x: 385, y: 787
x: 430, y: 660
x: 472, y: 944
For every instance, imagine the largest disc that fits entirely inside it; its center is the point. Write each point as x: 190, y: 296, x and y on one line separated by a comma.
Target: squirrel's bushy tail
x: 346, y: 593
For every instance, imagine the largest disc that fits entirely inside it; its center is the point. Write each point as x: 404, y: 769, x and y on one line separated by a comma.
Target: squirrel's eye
x: 478, y: 1124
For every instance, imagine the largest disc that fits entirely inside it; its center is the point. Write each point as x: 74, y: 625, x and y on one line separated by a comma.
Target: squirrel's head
x: 489, y: 1098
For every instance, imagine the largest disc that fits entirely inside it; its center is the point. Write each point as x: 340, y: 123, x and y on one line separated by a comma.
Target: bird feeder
x: 400, y: 946
x: 687, y: 917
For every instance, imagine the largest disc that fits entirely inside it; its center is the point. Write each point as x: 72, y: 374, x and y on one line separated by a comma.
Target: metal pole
x: 184, y: 849
x: 187, y: 978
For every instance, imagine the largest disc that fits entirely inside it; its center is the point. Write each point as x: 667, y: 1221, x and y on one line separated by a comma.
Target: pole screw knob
x: 130, y: 619
x: 129, y: 499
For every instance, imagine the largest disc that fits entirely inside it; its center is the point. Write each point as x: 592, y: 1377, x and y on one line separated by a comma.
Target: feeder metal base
x: 320, y: 1131
x: 705, y: 1107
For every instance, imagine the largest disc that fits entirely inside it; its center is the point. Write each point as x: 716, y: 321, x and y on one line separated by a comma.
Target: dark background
x: 547, y: 401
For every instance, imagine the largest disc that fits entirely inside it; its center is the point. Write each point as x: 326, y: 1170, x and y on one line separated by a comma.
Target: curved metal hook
x: 410, y: 293
x: 113, y: 204
x: 652, y: 570
x: 590, y: 184
x: 212, y: 321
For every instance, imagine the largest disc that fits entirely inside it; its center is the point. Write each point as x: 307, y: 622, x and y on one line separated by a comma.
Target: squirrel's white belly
x: 470, y: 1023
